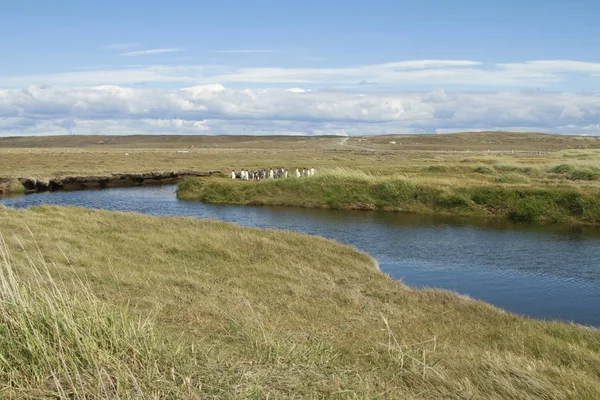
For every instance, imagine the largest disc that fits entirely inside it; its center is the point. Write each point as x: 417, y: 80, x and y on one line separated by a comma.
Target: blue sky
x: 299, y: 67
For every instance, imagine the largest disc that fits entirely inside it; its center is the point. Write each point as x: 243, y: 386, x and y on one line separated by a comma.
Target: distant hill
x: 466, y: 140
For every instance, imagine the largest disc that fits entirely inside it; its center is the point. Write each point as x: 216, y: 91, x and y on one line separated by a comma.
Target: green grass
x: 511, y: 178
x: 516, y: 168
x: 347, y: 189
x: 247, y: 313
x: 484, y: 169
x: 577, y: 172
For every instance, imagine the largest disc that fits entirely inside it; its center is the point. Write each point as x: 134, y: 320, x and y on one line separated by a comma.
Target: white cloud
x: 245, y: 51
x: 214, y: 109
x: 151, y: 51
x: 457, y: 73
x: 555, y: 66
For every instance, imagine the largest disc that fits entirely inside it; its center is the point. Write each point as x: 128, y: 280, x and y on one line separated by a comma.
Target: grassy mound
x: 484, y: 169
x: 577, y: 172
x: 343, y: 189
x: 511, y: 178
x: 257, y: 313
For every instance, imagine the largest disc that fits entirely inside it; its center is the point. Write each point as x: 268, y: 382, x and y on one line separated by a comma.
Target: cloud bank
x: 215, y: 109
x: 415, y: 73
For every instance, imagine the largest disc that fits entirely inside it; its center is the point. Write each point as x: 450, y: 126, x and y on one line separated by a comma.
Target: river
x: 546, y: 272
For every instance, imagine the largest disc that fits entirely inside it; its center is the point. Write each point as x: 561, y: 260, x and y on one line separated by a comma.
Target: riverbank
x: 241, y: 312
x: 356, y: 190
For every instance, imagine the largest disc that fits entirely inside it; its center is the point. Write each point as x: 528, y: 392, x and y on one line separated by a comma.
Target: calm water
x: 544, y: 272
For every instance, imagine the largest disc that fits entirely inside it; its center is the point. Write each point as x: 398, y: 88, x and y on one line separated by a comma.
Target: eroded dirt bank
x: 36, y: 184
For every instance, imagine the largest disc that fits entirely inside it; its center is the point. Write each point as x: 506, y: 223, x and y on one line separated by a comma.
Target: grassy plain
x: 435, y: 156
x: 183, y: 308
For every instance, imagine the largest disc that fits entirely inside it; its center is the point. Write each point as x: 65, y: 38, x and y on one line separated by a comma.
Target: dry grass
x: 482, y: 141
x: 72, y: 345
x: 435, y: 158
x: 283, y: 315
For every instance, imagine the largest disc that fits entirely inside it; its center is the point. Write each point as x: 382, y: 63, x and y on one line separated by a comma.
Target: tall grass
x: 517, y: 168
x: 508, y: 197
x: 56, y: 344
x: 577, y: 172
x: 511, y: 178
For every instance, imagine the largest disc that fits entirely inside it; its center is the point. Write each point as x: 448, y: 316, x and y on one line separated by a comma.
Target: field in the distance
x: 84, y: 155
x: 459, y: 141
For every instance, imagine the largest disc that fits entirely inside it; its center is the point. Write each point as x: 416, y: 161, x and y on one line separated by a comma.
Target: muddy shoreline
x: 114, y: 180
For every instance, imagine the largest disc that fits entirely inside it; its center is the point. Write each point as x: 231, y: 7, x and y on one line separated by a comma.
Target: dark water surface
x: 547, y: 272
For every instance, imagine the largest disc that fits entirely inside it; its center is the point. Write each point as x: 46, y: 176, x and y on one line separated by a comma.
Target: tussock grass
x: 437, y: 168
x: 10, y: 186
x: 511, y: 178
x: 346, y: 189
x: 268, y: 314
x: 577, y: 172
x: 484, y: 169
x: 259, y: 314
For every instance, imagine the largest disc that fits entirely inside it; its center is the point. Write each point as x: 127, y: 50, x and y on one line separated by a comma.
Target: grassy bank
x: 508, y: 195
x: 72, y: 345
x: 247, y: 313
x: 10, y: 186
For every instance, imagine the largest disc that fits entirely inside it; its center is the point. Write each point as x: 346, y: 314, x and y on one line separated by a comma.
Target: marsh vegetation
x: 183, y: 308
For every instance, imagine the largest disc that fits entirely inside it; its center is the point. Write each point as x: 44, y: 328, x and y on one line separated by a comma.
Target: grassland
x: 530, y: 177
x: 98, y: 304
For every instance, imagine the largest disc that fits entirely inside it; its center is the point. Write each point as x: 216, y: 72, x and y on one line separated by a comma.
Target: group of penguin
x: 272, y: 173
